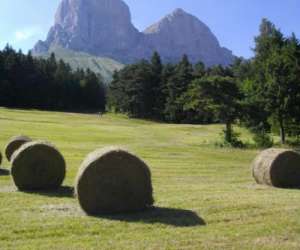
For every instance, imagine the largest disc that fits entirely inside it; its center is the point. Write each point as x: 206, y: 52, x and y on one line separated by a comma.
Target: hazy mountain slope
x: 101, y: 65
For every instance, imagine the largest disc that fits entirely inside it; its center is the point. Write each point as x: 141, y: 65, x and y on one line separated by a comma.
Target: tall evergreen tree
x: 132, y: 90
x: 157, y: 86
x: 199, y: 70
x: 274, y: 64
x: 177, y: 85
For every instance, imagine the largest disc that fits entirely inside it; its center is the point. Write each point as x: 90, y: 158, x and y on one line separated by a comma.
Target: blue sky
x: 234, y: 22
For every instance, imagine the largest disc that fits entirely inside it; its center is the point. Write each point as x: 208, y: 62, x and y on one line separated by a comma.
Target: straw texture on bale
x: 113, y: 180
x: 38, y: 166
x: 14, y: 144
x: 278, y: 168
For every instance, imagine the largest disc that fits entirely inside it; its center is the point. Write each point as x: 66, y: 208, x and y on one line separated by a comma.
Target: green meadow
x: 205, y: 196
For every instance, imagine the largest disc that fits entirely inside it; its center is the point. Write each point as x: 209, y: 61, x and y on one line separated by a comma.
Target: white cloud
x: 26, y: 33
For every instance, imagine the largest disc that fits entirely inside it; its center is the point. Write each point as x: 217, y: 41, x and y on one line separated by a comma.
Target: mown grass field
x: 205, y: 196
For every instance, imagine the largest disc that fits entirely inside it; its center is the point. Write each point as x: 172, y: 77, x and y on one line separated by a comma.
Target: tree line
x: 262, y: 93
x: 28, y: 82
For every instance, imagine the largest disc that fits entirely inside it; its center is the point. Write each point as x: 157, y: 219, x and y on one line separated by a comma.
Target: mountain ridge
x: 104, y: 28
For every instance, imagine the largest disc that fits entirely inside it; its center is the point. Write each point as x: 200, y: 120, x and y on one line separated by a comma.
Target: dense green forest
x: 28, y: 82
x: 262, y: 93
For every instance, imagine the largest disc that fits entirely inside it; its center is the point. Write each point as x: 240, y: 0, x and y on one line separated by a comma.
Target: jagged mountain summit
x: 181, y: 33
x: 104, y: 28
x: 98, y: 27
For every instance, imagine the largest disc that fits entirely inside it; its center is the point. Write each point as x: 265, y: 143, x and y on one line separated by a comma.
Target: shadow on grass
x: 65, y: 191
x: 4, y: 172
x: 297, y: 149
x: 168, y: 216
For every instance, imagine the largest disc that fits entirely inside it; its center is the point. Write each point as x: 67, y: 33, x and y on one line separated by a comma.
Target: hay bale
x: 14, y: 144
x: 278, y: 168
x: 38, y: 166
x: 113, y: 180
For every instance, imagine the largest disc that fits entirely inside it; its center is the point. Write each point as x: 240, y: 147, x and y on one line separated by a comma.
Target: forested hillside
x: 262, y: 93
x: 27, y: 82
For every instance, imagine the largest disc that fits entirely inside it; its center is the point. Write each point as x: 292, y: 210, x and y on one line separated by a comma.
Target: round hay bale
x: 38, y: 166
x: 278, y: 168
x: 14, y: 144
x: 113, y: 180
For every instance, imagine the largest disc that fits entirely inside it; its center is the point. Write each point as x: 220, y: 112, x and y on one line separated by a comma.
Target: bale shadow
x: 4, y: 172
x: 61, y: 192
x: 168, y: 216
x: 297, y: 149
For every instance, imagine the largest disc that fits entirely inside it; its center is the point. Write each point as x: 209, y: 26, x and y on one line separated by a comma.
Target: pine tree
x: 274, y: 64
x: 157, y: 87
x: 177, y: 85
x: 199, y: 70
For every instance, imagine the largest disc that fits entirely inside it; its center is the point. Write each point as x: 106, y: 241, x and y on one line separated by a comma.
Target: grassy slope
x: 101, y: 65
x: 192, y: 180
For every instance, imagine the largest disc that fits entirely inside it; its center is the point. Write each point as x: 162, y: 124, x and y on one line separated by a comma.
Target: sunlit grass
x: 206, y: 196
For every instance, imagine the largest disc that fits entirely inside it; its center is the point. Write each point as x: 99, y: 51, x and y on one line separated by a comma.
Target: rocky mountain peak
x: 182, y: 33
x: 178, y: 11
x: 98, y: 27
x: 70, y: 11
x: 181, y: 21
x: 104, y: 28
